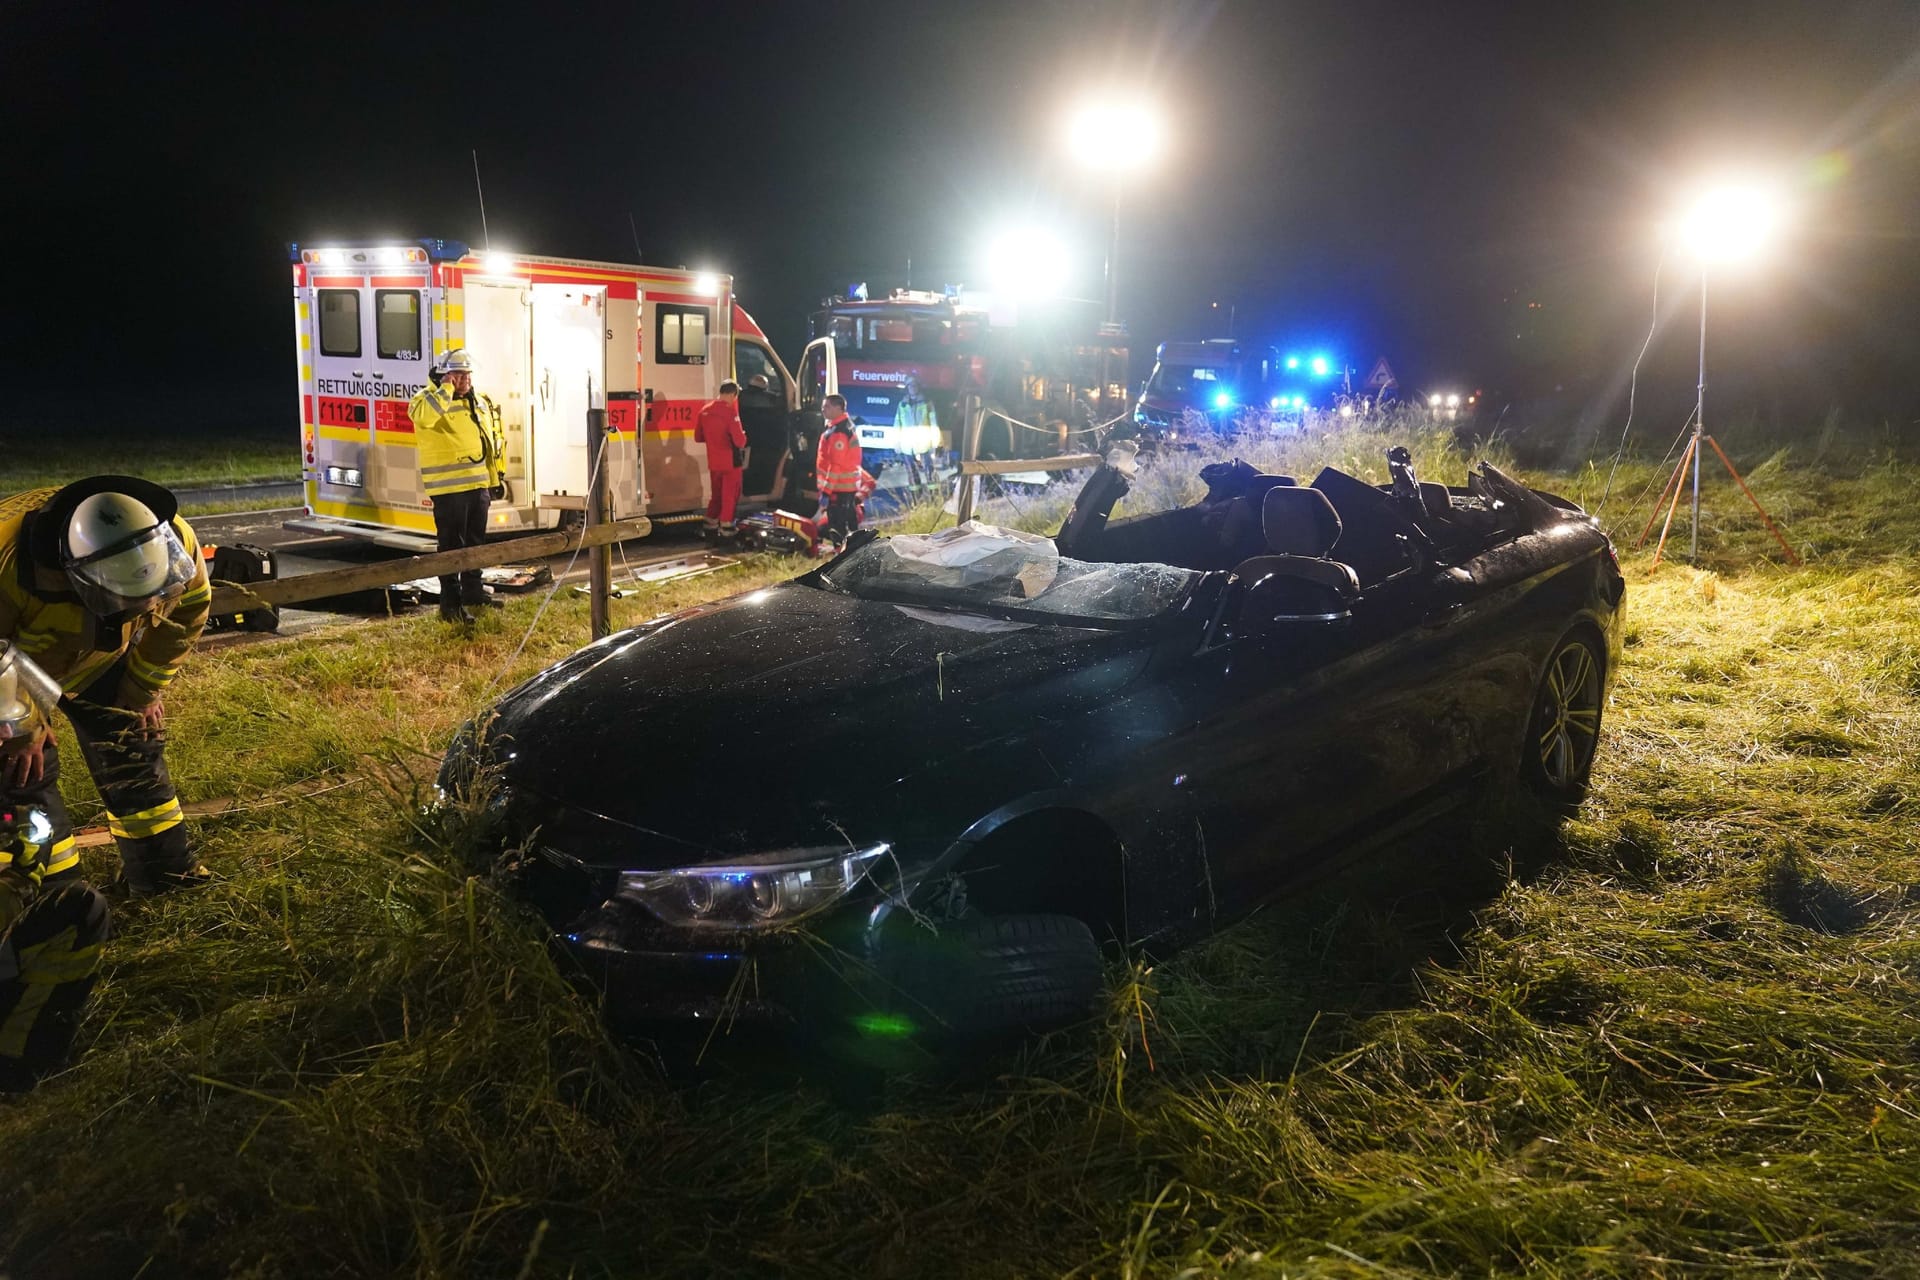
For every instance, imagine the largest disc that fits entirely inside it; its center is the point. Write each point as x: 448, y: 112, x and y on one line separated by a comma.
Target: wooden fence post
x: 600, y: 558
x: 972, y: 410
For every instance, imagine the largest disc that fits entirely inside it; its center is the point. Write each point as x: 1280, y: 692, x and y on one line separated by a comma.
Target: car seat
x: 1296, y: 575
x: 1377, y: 540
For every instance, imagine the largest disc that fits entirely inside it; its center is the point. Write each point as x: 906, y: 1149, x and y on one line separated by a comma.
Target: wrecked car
x: 924, y: 785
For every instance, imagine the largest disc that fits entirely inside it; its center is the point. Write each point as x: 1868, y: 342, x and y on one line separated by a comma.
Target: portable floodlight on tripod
x: 1728, y: 223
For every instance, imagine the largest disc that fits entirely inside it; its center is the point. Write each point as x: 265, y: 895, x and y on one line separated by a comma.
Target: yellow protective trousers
x: 49, y: 959
x: 129, y: 767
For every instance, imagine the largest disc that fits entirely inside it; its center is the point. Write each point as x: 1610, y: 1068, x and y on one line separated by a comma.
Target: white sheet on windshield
x: 967, y: 546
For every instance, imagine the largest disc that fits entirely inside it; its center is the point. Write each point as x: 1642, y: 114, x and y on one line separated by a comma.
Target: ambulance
x: 550, y: 339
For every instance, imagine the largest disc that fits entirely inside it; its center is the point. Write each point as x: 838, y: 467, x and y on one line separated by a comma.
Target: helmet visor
x: 129, y: 576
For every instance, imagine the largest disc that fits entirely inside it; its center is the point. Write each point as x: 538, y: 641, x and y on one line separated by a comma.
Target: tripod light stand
x: 1728, y: 224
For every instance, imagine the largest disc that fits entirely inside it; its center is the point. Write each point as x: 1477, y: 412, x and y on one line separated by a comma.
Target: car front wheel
x: 987, y: 975
x: 1564, y: 728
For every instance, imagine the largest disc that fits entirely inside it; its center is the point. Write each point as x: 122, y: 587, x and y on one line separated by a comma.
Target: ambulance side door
x: 569, y: 377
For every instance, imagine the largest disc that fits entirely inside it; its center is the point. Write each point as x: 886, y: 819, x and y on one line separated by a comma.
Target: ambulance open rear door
x: 572, y: 335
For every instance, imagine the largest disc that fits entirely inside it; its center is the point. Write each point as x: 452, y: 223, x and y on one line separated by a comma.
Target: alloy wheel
x: 1566, y: 720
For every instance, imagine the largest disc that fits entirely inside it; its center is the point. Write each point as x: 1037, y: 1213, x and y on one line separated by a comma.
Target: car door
x: 1304, y: 739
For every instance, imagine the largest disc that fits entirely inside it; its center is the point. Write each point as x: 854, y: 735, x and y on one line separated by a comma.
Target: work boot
x: 458, y: 614
x: 151, y: 884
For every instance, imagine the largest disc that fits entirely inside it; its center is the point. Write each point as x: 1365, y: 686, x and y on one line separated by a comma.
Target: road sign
x: 1382, y: 376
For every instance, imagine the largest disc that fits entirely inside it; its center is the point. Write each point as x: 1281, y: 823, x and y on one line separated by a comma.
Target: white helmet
x: 456, y: 361
x: 120, y: 557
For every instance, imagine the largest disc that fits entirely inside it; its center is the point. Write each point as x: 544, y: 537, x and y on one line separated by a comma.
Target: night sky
x: 1388, y: 179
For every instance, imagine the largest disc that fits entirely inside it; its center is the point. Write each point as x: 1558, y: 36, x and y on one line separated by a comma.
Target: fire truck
x: 550, y: 338
x: 1052, y: 366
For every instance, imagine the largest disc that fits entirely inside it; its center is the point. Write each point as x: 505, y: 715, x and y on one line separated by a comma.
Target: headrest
x: 1299, y: 522
x: 1237, y: 479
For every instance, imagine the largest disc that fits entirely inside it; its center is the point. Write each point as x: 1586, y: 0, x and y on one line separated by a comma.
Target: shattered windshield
x: 979, y: 567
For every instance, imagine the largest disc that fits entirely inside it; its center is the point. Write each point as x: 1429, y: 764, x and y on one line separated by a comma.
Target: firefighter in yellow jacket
x: 102, y: 586
x: 462, y: 466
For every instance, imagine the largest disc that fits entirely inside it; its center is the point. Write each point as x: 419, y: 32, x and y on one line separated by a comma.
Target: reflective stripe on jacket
x: 914, y: 413
x: 455, y: 451
x: 836, y: 468
x: 40, y: 614
x: 494, y: 433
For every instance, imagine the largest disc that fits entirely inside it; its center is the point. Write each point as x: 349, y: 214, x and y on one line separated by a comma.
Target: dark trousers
x: 49, y: 958
x: 460, y: 520
x: 843, y: 515
x: 129, y: 766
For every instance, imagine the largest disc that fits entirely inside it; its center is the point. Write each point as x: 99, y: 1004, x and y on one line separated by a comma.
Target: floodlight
x: 1729, y: 223
x: 706, y: 282
x: 1726, y: 224
x: 1115, y: 134
x: 499, y: 264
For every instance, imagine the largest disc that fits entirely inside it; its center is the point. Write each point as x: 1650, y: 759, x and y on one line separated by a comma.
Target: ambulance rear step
x: 379, y: 535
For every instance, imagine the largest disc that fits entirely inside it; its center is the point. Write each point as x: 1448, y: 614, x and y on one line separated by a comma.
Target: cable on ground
x: 1633, y: 383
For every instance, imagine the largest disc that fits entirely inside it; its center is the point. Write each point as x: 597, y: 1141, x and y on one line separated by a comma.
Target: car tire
x: 982, y: 975
x: 1563, y: 728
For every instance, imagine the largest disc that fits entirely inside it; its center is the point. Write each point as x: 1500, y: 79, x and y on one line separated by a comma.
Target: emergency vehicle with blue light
x: 1213, y: 380
x: 550, y: 338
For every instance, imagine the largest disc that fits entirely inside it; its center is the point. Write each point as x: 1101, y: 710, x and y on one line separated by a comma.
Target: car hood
x: 775, y: 719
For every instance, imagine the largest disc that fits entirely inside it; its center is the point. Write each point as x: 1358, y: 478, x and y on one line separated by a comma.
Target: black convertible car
x: 921, y: 786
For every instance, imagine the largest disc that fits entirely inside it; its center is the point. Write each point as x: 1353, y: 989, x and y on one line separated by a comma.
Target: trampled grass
x: 1676, y: 1036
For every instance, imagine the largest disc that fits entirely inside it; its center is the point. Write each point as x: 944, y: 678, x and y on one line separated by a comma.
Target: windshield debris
x: 978, y: 566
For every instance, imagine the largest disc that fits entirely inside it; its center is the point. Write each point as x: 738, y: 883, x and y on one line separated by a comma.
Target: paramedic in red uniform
x: 719, y: 428
x: 837, y: 470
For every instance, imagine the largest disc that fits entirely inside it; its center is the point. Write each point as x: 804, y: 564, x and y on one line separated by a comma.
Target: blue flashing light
x: 1293, y: 362
x: 1299, y: 402
x: 1320, y: 366
x: 1276, y: 402
x: 1223, y: 401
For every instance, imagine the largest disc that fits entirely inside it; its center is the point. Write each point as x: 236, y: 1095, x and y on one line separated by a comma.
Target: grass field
x: 53, y: 452
x: 1675, y: 1037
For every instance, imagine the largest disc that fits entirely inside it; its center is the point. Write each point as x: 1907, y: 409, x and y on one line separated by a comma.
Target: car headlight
x: 756, y: 893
